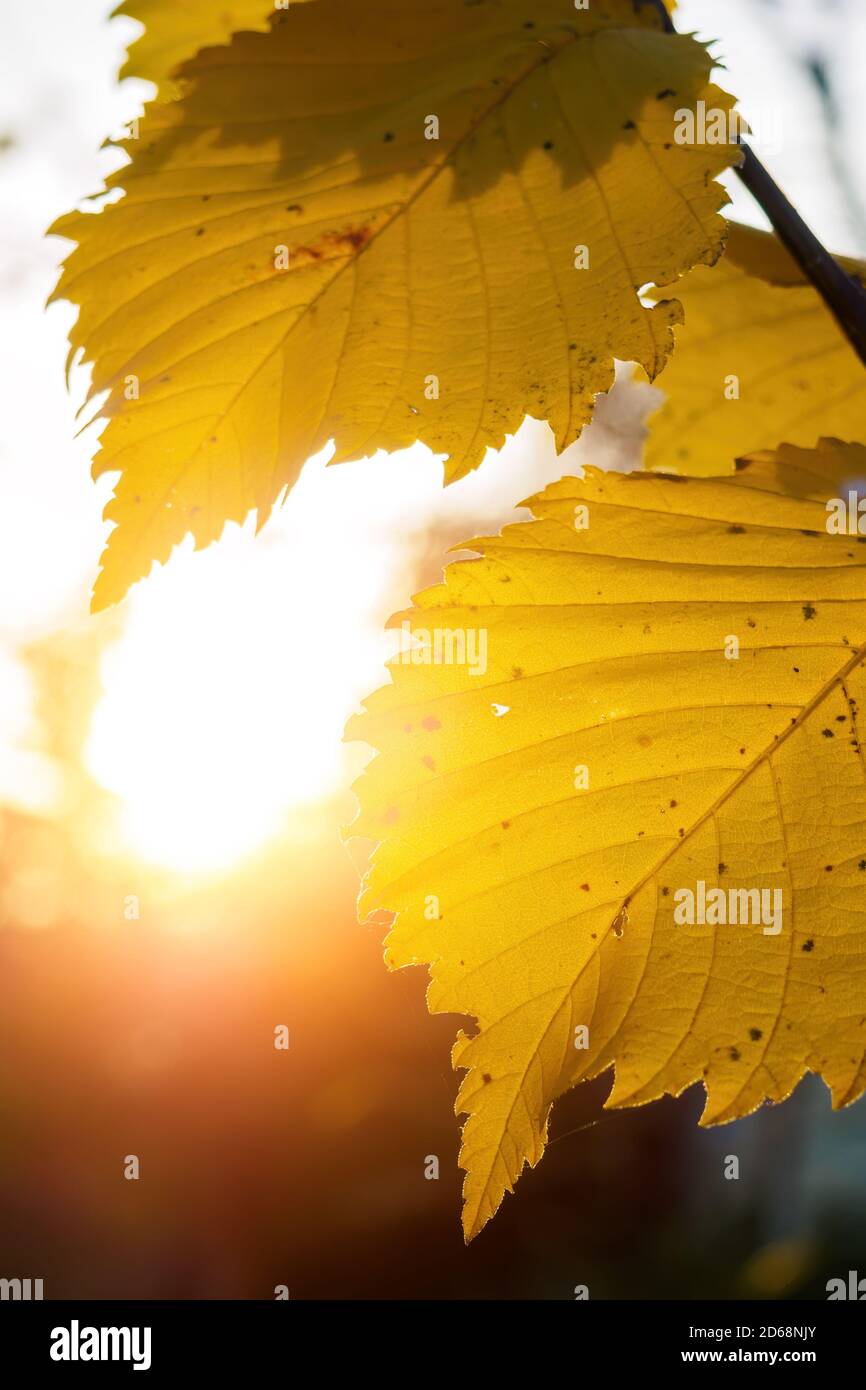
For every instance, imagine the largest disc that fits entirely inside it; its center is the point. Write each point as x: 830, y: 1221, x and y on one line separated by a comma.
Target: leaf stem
x: 843, y: 294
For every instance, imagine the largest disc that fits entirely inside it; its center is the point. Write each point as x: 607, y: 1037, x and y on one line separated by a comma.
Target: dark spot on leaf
x: 334, y: 244
x: 755, y: 1034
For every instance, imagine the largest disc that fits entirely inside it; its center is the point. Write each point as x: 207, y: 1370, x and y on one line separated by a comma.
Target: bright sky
x: 262, y: 647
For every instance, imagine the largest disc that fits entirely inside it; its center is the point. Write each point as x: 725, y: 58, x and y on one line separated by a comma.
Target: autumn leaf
x: 759, y: 357
x: 298, y: 258
x: 175, y: 30
x: 655, y: 690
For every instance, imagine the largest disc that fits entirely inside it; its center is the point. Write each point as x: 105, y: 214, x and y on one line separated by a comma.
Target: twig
x: 843, y: 294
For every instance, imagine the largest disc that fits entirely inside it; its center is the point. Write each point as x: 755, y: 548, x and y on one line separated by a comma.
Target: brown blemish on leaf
x: 332, y: 245
x: 620, y: 921
x: 431, y: 723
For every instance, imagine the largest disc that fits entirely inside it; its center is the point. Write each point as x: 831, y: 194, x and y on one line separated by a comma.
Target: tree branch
x: 844, y: 296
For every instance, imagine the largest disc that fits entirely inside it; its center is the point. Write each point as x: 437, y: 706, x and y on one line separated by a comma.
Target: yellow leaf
x: 542, y: 811
x: 759, y: 357
x: 175, y: 30
x: 295, y: 260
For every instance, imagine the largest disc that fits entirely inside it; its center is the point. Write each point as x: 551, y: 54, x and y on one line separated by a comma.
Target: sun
x: 226, y: 695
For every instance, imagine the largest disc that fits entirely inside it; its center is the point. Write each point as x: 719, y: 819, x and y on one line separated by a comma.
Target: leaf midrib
x: 763, y: 757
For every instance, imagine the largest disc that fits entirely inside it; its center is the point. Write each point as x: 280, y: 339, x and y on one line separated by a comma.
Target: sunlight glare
x: 226, y: 694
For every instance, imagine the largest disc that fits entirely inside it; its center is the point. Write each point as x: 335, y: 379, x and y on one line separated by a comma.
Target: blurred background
x: 172, y: 787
